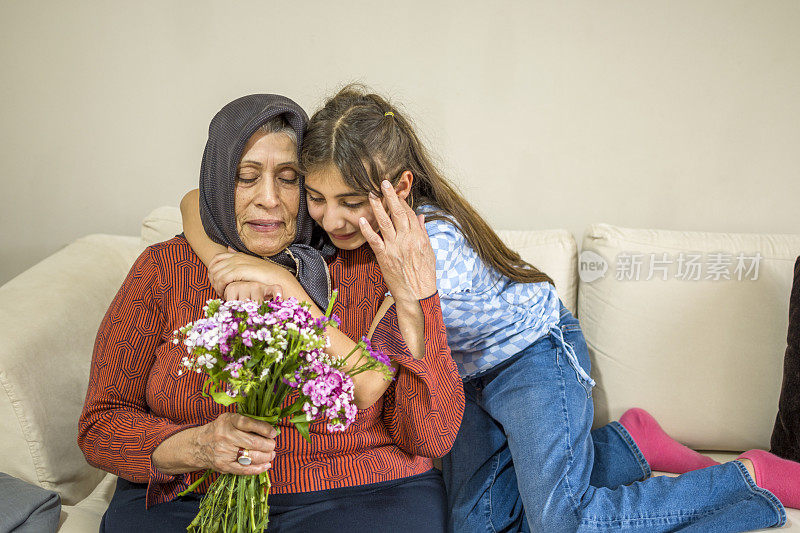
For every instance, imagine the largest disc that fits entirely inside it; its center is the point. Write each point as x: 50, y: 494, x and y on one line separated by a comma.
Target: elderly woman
x: 154, y: 429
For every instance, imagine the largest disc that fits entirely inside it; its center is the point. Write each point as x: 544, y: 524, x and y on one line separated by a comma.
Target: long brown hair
x: 369, y: 140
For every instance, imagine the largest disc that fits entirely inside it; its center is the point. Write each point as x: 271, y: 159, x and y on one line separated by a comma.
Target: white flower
x: 206, y: 360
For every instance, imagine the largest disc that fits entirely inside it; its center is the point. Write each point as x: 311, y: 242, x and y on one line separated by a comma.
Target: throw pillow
x: 786, y: 433
x: 27, y: 508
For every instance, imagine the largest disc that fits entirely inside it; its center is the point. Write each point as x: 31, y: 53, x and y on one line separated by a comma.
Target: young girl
x: 525, y: 458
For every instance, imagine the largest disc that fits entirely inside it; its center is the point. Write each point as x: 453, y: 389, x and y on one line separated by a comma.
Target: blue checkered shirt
x: 489, y: 318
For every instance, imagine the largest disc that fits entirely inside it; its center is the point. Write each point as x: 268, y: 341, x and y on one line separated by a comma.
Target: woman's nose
x: 267, y: 193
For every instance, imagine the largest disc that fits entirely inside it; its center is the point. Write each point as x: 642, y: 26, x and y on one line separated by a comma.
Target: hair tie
x: 388, y: 113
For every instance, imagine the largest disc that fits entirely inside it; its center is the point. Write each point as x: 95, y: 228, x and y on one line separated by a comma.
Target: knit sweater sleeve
x: 117, y: 433
x: 424, y: 405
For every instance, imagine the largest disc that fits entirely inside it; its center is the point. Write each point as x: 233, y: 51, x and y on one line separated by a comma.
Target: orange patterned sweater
x: 136, y: 399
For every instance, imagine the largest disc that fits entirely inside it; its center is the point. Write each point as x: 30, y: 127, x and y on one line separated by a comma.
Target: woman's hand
x: 218, y: 442
x: 216, y: 445
x: 403, y: 249
x: 232, y: 266
x: 251, y: 290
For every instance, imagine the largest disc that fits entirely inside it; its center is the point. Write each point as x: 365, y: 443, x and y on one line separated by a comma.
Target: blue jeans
x: 525, y: 459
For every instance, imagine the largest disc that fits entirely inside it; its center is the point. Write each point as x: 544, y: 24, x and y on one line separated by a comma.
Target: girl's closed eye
x: 344, y: 203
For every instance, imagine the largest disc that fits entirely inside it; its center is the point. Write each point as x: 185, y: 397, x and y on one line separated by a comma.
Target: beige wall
x: 680, y: 114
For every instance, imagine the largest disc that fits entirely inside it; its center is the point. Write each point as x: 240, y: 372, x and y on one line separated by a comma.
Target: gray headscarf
x: 228, y: 133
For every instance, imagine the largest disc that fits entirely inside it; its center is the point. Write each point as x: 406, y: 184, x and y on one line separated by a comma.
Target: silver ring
x: 243, y: 457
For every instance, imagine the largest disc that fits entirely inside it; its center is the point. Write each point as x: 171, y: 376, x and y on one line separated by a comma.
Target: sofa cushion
x: 551, y: 251
x: 786, y: 433
x: 704, y: 356
x: 50, y: 320
x: 162, y: 224
x: 554, y: 252
x: 87, y: 514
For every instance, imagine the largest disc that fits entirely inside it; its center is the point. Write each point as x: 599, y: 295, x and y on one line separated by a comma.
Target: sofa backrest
x: 552, y: 251
x: 705, y: 355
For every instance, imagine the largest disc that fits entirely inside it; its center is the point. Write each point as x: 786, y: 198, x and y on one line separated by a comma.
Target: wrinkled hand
x: 251, y: 290
x: 230, y: 267
x: 218, y: 442
x: 403, y: 249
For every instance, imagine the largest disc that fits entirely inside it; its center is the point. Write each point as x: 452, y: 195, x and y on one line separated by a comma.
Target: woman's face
x: 336, y: 207
x: 267, y: 193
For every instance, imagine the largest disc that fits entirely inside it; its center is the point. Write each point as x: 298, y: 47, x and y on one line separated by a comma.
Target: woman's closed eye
x: 247, y: 177
x: 288, y: 176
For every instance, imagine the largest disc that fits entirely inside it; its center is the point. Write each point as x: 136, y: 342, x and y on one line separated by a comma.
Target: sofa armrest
x: 50, y: 315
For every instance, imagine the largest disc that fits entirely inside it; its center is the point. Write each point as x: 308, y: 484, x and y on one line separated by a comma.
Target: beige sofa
x: 704, y: 356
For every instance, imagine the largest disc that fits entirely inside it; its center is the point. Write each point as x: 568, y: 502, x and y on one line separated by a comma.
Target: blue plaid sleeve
x: 488, y: 317
x: 455, y: 260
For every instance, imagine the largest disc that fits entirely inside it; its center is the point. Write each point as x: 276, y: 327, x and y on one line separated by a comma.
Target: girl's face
x: 336, y: 207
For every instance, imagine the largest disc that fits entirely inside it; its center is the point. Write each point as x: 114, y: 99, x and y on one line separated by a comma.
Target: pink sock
x: 779, y: 476
x: 661, y: 451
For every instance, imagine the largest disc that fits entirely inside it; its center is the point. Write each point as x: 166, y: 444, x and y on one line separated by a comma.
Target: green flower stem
x: 360, y: 357
x: 264, y: 402
x: 283, y: 389
x: 358, y: 371
x: 240, y: 502
x: 277, y: 374
x: 346, y: 357
x: 196, y: 483
x: 329, y: 310
x: 228, y: 508
x: 252, y: 499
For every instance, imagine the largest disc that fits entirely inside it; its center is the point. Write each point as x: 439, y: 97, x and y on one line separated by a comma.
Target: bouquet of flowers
x: 257, y: 355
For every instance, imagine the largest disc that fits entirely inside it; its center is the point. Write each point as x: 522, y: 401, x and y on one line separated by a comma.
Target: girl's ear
x: 404, y: 183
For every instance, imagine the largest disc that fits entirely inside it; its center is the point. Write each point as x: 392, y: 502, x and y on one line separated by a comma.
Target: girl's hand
x: 230, y: 267
x: 251, y: 290
x: 403, y: 249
